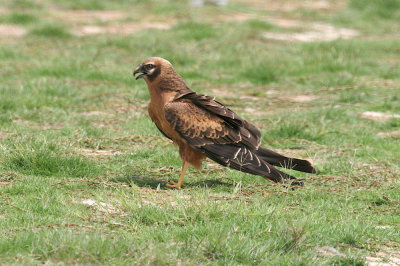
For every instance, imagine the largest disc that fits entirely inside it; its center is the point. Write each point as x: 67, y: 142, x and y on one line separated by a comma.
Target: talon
x: 172, y: 184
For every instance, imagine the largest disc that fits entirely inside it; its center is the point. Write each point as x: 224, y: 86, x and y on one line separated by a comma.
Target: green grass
x: 383, y: 9
x: 74, y: 127
x: 50, y: 31
x: 19, y: 18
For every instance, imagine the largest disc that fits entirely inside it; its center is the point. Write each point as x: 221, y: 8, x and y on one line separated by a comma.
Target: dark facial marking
x: 157, y: 71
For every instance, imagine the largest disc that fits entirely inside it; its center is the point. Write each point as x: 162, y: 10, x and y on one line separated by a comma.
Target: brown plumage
x: 203, y: 127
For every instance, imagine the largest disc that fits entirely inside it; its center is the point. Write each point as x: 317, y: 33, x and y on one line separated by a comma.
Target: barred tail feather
x: 244, y: 160
x: 277, y: 159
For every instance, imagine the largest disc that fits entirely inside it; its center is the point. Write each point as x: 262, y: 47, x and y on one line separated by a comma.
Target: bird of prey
x: 203, y: 127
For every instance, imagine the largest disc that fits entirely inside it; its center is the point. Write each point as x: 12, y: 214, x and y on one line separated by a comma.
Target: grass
x: 74, y: 127
x: 19, y: 18
x: 50, y: 31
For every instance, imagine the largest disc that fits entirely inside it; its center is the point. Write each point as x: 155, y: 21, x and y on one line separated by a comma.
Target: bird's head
x: 151, y: 68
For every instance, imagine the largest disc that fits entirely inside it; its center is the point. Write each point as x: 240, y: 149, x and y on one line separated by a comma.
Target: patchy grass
x: 83, y: 169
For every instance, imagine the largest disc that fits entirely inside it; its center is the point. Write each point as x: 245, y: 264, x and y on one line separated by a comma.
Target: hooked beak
x: 139, y: 70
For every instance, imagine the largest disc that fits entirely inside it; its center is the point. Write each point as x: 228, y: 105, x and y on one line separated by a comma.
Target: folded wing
x: 213, y: 129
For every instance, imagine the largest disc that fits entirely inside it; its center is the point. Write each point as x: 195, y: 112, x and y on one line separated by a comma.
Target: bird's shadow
x: 154, y: 183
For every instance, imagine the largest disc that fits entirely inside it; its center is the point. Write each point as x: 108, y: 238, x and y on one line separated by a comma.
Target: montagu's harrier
x: 203, y: 127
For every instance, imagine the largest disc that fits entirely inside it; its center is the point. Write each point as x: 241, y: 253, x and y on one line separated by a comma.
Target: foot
x: 172, y: 184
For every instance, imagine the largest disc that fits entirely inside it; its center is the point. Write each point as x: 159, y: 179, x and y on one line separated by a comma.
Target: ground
x: 83, y: 169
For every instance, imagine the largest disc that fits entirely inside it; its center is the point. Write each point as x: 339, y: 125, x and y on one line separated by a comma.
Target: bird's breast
x: 157, y: 115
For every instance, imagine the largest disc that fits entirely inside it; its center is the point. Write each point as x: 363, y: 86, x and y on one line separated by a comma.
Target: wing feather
x: 249, y: 133
x: 211, y: 128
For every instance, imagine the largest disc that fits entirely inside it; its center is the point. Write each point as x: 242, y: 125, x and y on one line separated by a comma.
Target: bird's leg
x: 172, y: 184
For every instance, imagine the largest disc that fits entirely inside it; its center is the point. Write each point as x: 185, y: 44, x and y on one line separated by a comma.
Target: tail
x: 245, y: 160
x: 277, y: 159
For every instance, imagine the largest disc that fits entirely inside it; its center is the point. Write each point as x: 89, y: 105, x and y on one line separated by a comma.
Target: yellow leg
x: 172, y: 184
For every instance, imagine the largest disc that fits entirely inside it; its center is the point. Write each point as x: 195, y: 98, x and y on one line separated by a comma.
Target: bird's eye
x: 149, y: 66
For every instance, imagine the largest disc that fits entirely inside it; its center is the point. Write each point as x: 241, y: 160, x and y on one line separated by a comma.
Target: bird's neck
x: 164, y: 90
